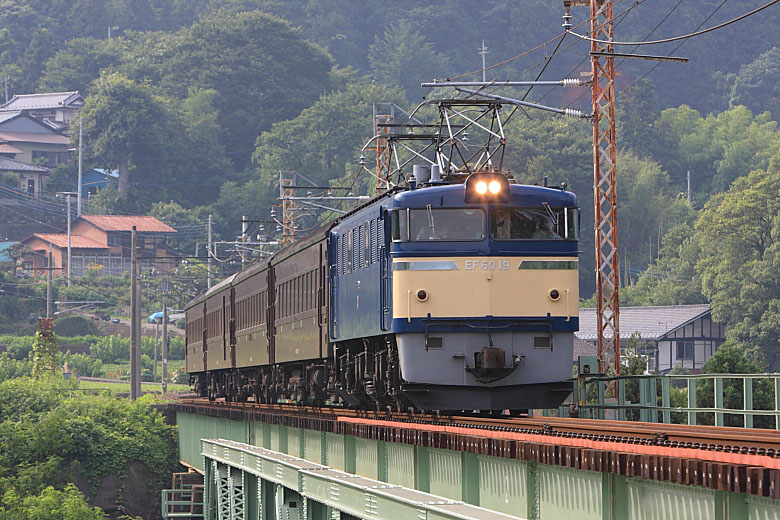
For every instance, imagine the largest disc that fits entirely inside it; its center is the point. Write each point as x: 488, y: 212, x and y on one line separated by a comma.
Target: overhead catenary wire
x: 681, y: 37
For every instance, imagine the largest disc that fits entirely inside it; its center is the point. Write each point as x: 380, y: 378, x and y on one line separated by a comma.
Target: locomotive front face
x: 485, y: 293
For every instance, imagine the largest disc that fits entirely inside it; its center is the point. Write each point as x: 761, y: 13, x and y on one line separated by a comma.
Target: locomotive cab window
x: 537, y: 223
x: 431, y: 224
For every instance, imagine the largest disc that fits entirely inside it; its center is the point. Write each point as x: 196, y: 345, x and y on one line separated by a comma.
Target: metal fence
x: 597, y: 397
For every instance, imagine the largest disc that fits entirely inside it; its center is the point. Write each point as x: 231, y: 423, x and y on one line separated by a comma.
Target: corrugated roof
x: 126, y: 223
x: 10, y: 165
x: 34, y: 137
x: 650, y: 322
x: 44, y: 100
x: 76, y: 241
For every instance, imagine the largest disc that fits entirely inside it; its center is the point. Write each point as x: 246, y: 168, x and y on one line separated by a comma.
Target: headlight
x: 481, y: 187
x: 494, y: 187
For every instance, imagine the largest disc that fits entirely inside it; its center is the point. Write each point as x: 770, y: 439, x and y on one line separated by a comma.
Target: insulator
x: 576, y: 114
x: 566, y: 22
x: 573, y: 82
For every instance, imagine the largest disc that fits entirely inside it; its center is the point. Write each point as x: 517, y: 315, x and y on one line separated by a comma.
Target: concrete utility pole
x: 208, y: 256
x: 244, y: 228
x: 68, y: 195
x: 483, y: 51
x: 688, y: 175
x: 78, y: 205
x: 49, y: 306
x: 165, y: 336
x: 6, y: 89
x: 134, y: 316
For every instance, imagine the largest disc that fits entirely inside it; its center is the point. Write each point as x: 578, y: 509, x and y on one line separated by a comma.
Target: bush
x: 75, y: 326
x: 181, y: 323
x: 111, y: 349
x: 83, y: 365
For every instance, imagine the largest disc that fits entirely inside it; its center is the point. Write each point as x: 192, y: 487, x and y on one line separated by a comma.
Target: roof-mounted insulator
x: 576, y: 114
x: 573, y: 82
x: 566, y: 19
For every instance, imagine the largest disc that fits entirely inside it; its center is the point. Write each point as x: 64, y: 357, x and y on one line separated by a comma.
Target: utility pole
x: 208, y: 256
x: 286, y: 192
x: 165, y: 336
x: 78, y: 205
x: 688, y: 175
x: 604, y: 179
x: 6, y: 88
x: 483, y: 51
x: 605, y: 186
x: 156, y: 341
x: 244, y: 228
x: 68, y: 194
x: 49, y: 306
x: 134, y: 316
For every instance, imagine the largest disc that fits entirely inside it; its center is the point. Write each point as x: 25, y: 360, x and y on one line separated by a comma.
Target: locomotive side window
x: 428, y: 224
x: 537, y: 223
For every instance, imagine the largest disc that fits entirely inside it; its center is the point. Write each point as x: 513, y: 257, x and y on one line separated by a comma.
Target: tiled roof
x: 45, y: 100
x: 583, y: 348
x: 9, y: 165
x: 76, y: 241
x: 34, y: 137
x: 126, y: 223
x: 650, y: 322
x: 7, y: 148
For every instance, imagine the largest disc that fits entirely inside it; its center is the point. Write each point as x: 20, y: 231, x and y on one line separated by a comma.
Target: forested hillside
x: 198, y: 104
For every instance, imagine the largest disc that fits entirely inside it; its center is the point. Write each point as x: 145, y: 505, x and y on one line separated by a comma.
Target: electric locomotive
x: 436, y: 295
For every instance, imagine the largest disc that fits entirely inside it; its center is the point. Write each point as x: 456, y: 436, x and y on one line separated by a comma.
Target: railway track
x: 711, y: 438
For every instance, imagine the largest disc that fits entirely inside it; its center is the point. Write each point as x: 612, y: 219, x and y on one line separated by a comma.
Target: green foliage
x: 44, y: 350
x: 731, y: 358
x: 50, y: 504
x: 42, y: 430
x: 126, y: 124
x: 756, y: 84
x: 261, y: 68
x: 75, y: 326
x: 83, y: 365
x: 116, y: 349
x: 402, y: 57
x: 77, y: 63
x: 11, y: 368
x: 738, y: 233
x: 716, y: 149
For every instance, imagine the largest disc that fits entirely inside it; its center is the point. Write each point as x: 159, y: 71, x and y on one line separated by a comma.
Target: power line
x: 683, y: 37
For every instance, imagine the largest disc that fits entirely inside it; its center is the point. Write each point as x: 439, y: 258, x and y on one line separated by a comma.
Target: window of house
x: 685, y: 350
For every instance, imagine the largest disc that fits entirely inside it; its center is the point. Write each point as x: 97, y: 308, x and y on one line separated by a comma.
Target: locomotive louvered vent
x: 542, y: 342
x: 434, y: 343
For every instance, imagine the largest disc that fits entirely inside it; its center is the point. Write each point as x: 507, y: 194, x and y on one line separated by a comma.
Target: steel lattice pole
x: 605, y: 187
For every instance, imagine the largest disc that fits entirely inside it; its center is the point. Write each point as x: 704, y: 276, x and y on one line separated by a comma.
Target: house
x: 28, y: 140
x: 671, y: 335
x: 55, y: 109
x: 30, y: 175
x: 100, y: 242
x: 94, y: 180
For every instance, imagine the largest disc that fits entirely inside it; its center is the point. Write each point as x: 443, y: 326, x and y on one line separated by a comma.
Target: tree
x: 637, y: 113
x: 322, y: 143
x: 402, y: 57
x: 127, y: 126
x: 77, y: 64
x: 756, y: 84
x: 262, y: 69
x: 41, y: 48
x: 50, y: 504
x: 738, y: 234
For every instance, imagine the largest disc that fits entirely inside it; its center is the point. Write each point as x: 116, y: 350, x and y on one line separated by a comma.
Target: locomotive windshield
x: 539, y: 223
x: 427, y: 224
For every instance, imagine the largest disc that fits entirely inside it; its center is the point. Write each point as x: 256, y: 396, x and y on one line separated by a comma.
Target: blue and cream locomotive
x: 437, y: 296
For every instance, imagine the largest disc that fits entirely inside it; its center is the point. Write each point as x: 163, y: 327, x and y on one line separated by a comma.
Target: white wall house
x: 671, y: 335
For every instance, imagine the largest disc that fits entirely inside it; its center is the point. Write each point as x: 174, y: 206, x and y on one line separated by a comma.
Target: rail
x: 700, y: 398
x: 183, y: 503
